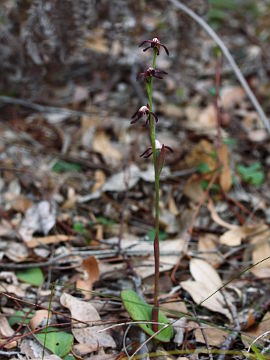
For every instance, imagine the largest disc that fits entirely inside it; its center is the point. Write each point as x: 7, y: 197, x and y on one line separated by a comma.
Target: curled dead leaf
x: 83, y: 312
x: 39, y: 319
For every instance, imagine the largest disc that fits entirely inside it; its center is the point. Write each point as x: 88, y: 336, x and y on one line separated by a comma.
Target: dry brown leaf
x: 235, y: 236
x: 171, y: 110
x: 201, y: 153
x: 205, y: 273
x: 5, y: 228
x: 85, y: 312
x: 16, y: 252
x: 214, y: 336
x: 21, y: 204
x: 33, y: 349
x: 261, y: 251
x: 217, y: 219
x: 46, y: 240
x: 71, y: 199
x: 179, y: 327
x: 176, y: 308
x: 193, y: 189
x: 249, y: 336
x: 38, y: 218
x: 208, y: 249
x: 199, y: 292
x: 97, y: 42
x: 39, y: 319
x: 231, y: 96
x: 172, y: 206
x: 5, y: 332
x: 102, y: 145
x: 225, y: 175
x: 91, y: 274
x: 207, y: 117
x: 100, y: 178
x: 206, y: 284
x: 81, y: 350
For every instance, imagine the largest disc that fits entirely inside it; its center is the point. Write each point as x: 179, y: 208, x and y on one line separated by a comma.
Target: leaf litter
x: 76, y: 200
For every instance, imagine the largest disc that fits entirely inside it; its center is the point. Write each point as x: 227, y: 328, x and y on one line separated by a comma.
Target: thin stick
x: 229, y: 57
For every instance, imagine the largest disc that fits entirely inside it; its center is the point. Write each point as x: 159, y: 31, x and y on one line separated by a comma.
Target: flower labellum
x: 154, y: 44
x: 143, y: 110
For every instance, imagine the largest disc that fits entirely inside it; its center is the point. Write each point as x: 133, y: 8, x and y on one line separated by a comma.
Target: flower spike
x: 154, y: 44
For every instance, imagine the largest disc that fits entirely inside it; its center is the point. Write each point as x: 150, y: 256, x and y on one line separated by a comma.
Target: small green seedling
x: 252, y: 174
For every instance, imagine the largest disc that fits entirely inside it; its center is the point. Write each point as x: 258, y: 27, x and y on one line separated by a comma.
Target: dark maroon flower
x: 149, y: 151
x: 144, y: 110
x: 151, y: 72
x: 155, y: 44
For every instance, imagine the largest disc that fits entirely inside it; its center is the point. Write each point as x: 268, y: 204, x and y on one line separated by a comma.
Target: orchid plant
x: 158, y: 151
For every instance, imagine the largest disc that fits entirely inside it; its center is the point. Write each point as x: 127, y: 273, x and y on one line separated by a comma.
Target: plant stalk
x: 152, y: 128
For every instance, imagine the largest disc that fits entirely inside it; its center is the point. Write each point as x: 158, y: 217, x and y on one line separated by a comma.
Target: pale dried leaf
x: 231, y: 96
x: 214, y: 336
x: 235, y: 236
x: 249, y: 336
x: 5, y: 228
x: 261, y: 251
x: 193, y: 189
x: 39, y: 319
x: 83, y: 349
x: 207, y: 247
x: 46, y: 240
x: 199, y: 292
x: 207, y: 117
x: 5, y: 332
x: 39, y: 218
x: 179, y: 327
x: 33, y: 350
x: 205, y: 273
x: 16, y: 252
x: 100, y: 178
x: 103, y: 145
x: 85, y: 312
x: 201, y: 153
x: 21, y: 204
x: 226, y: 175
x: 217, y: 218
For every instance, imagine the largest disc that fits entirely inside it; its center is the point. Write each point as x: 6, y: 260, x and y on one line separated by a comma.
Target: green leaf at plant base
x: 252, y: 174
x: 59, y: 342
x: 139, y: 310
x: 33, y: 276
